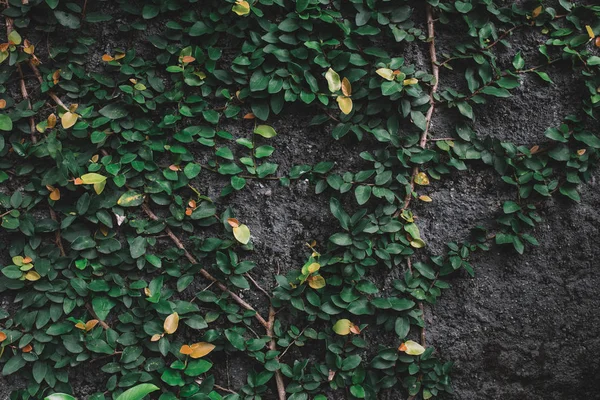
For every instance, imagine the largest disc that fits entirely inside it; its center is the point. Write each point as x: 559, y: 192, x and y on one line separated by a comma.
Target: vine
x: 117, y: 261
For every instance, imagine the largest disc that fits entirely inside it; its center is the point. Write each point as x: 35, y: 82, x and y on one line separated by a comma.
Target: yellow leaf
x: 28, y: 47
x: 425, y: 198
x: 410, y: 81
x: 14, y: 38
x: 417, y: 243
x: 80, y: 325
x: 314, y: 267
x: 171, y: 323
x: 92, y: 178
x: 201, y: 349
x: 241, y: 7
x: 385, y: 73
x: 536, y: 12
x: 422, y: 179
x: 333, y: 80
x: 590, y: 31
x: 118, y: 56
x: 68, y: 119
x: 412, y: 348
x: 32, y: 276
x: 99, y: 187
x: 242, y: 234
x: 316, y: 282
x: 345, y: 104
x: 346, y: 87
x: 343, y: 327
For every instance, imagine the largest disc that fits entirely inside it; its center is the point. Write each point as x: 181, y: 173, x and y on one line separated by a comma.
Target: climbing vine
x: 117, y: 260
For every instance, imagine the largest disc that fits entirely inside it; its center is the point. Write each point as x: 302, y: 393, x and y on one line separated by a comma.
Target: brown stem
x: 224, y: 389
x: 9, y: 29
x: 273, y: 347
x: 93, y: 314
x: 204, y: 272
x: 257, y: 285
x: 54, y: 97
x: 505, y: 34
x: 57, y: 237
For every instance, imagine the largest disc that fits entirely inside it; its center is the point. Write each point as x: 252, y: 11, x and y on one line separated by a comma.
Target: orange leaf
x: 27, y: 260
x: 185, y: 349
x: 536, y: 12
x: 355, y: 329
x: 55, y: 194
x: 249, y: 116
x: 234, y: 223
x: 80, y: 325
x: 597, y: 41
x: 192, y: 203
x: 107, y: 58
x: 201, y: 349
x: 2, y: 103
x: 4, y: 46
x: 2, y: 336
x: 174, y: 167
x: 171, y: 323
x: 27, y: 349
x: 91, y: 324
x: 104, y: 230
x: 346, y: 87
x: 28, y: 47
x: 188, y: 59
x: 402, y: 347
x: 534, y: 149
x: 78, y: 181
x: 188, y: 211
x: 581, y: 152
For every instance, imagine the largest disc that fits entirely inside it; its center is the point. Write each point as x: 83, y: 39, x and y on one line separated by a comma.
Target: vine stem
x: 9, y: 29
x: 273, y: 347
x: 423, y: 142
x: 204, y: 272
x: 53, y: 96
x: 93, y: 314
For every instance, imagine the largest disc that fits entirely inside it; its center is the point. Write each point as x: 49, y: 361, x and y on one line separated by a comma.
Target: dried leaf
x: 174, y: 167
x: 188, y: 211
x: 249, y: 116
x: 91, y: 324
x: 51, y: 121
x: 28, y: 47
x: 107, y: 58
x: 425, y: 198
x: 188, y: 59
x: 2, y: 103
x: 536, y: 12
x: 316, y: 282
x: 412, y: 348
x: 27, y: 349
x: 171, y: 323
x: 2, y: 337
x: 118, y: 56
x: 242, y: 234
x: 597, y: 42
x: 385, y: 73
x: 333, y: 80
x: 80, y: 325
x: 78, y: 181
x: 355, y: 329
x: 345, y: 104
x: 234, y: 223
x: 156, y: 338
x: 410, y: 81
x: 346, y: 87
x: 68, y: 119
x: 422, y: 179
x: 54, y: 194
x: 192, y: 203
x: 185, y: 349
x: 581, y: 152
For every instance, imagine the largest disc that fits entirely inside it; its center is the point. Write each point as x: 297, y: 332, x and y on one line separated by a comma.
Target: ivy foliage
x: 101, y: 155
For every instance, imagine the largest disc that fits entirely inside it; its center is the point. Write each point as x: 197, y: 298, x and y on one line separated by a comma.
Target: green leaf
x: 518, y: 61
x: 510, y: 207
x: 14, y: 364
x: 5, y: 123
x: 197, y: 367
x: 265, y: 131
x: 114, y: 111
x: 131, y: 198
x: 60, y: 396
x: 341, y: 239
x: 588, y: 138
x: 560, y: 153
x: 463, y: 7
x: 192, y: 170
x: 362, y: 194
x: 102, y: 306
x: 351, y: 362
x: 67, y: 19
x: 465, y: 109
x: 333, y: 80
x: 494, y: 91
x: 138, y: 392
